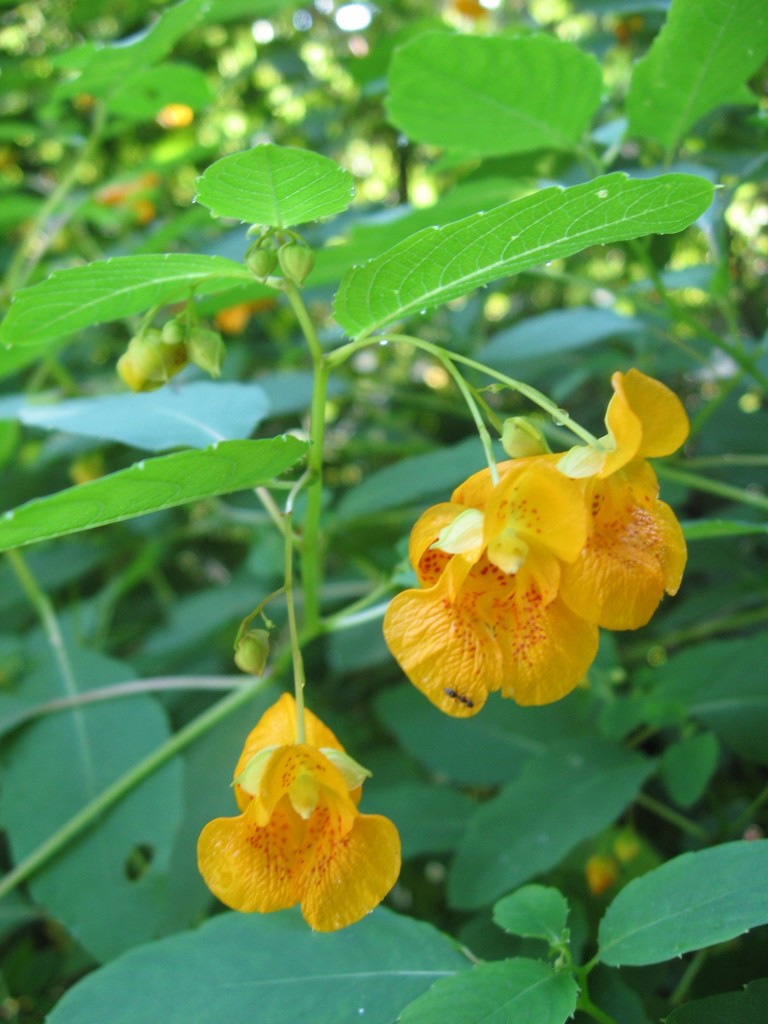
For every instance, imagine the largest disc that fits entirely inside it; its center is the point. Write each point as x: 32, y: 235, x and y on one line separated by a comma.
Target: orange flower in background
x: 488, y: 615
x: 300, y: 837
x: 635, y: 550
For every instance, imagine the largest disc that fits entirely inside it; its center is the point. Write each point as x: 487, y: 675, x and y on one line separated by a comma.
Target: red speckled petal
x: 429, y: 563
x: 347, y: 876
x: 249, y: 867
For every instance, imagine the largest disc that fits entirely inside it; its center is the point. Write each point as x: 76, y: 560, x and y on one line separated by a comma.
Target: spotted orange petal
x: 635, y: 552
x: 443, y: 645
x: 277, y: 727
x: 429, y: 562
x: 306, y: 777
x: 343, y: 877
x: 546, y: 648
x: 251, y: 867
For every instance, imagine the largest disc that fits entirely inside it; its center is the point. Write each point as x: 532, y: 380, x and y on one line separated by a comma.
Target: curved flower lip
x: 645, y: 419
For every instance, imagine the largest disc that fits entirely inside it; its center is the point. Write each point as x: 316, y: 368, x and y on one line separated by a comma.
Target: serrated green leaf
x: 745, y: 1007
x: 59, y: 764
x: 487, y: 95
x: 520, y: 991
x: 275, y: 185
x: 164, y: 482
x: 191, y: 415
x: 271, y: 962
x: 533, y: 912
x: 553, y: 804
x: 700, y: 60
x: 693, y: 901
x: 82, y: 296
x: 438, y: 264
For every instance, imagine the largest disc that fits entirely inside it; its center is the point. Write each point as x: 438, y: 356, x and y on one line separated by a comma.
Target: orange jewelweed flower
x: 300, y: 838
x: 488, y: 614
x: 635, y: 550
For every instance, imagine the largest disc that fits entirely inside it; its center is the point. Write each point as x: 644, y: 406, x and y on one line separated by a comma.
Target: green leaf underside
x: 519, y: 990
x: 492, y: 95
x: 693, y: 901
x: 275, y: 185
x: 70, y: 300
x: 700, y: 60
x: 149, y: 486
x: 442, y: 263
x: 534, y: 912
x: 191, y: 415
x: 269, y: 967
x: 553, y: 804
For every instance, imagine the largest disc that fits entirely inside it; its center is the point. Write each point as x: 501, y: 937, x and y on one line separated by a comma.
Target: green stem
x: 39, y: 857
x: 672, y: 816
x: 689, y: 976
x: 560, y: 416
x: 47, y: 616
x: 299, y: 679
x: 33, y: 246
x: 585, y: 1003
x: 311, y: 547
x: 704, y: 483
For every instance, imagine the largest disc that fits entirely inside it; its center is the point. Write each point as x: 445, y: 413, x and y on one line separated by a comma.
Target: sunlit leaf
x: 695, y: 900
x: 438, y: 264
x: 275, y: 185
x: 81, y: 296
x: 493, y: 94
x: 149, y: 486
x: 274, y: 963
x: 700, y: 60
x: 505, y: 991
x: 142, y: 95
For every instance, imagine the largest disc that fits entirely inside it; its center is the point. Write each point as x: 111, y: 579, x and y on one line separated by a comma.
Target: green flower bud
x: 261, y: 262
x: 206, y: 350
x: 520, y: 437
x: 148, y: 363
x: 172, y: 333
x: 252, y: 651
x: 296, y: 261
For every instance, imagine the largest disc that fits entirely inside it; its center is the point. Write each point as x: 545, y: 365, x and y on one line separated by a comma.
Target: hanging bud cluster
x: 284, y: 250
x: 153, y: 356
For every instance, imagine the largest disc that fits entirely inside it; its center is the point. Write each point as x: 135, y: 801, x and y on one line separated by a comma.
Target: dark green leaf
x: 485, y: 95
x: 745, y: 1007
x: 553, y: 804
x: 506, y: 992
x: 82, y: 296
x: 275, y: 185
x: 688, y: 765
x: 269, y: 968
x: 430, y: 819
x: 695, y: 900
x: 164, y: 482
x: 438, y: 264
x: 56, y: 766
